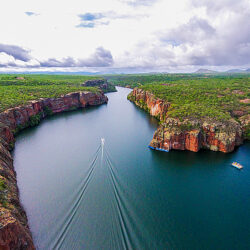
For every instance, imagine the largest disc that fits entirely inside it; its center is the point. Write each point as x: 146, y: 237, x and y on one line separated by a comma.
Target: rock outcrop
x: 103, y: 84
x: 14, y: 230
x: 190, y: 134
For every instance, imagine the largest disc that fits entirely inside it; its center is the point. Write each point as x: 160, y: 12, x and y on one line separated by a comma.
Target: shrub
x: 2, y: 195
x: 47, y: 111
x: 35, y: 119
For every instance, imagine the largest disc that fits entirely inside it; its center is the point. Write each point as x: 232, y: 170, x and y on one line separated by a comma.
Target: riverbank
x: 168, y: 200
x: 191, y: 133
x: 14, y: 229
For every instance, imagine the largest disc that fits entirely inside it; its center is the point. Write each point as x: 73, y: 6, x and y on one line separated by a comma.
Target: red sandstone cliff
x: 14, y: 230
x: 189, y: 134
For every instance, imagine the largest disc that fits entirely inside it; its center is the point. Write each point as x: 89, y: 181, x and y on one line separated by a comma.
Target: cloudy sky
x: 124, y: 35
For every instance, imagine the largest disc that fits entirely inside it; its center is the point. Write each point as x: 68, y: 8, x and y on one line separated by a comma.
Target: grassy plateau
x: 19, y: 89
x: 195, y: 95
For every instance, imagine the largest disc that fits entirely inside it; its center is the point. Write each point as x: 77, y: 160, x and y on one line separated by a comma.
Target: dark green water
x: 133, y: 197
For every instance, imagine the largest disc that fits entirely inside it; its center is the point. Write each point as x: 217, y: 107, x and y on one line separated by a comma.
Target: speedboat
x: 237, y: 165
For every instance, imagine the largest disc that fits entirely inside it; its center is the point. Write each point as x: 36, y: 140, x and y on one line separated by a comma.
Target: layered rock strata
x: 14, y: 230
x: 190, y: 134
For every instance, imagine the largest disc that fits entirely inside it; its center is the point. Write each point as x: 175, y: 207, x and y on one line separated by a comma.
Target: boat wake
x: 120, y: 225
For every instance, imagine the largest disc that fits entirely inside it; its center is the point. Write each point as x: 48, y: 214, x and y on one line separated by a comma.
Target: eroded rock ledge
x: 190, y: 134
x: 14, y: 230
x: 103, y: 84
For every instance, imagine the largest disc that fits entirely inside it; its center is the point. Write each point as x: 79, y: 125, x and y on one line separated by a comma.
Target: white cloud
x: 6, y: 59
x: 150, y: 35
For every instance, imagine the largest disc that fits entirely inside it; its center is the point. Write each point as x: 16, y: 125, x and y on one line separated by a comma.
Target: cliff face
x: 103, y: 84
x: 14, y: 230
x: 189, y: 134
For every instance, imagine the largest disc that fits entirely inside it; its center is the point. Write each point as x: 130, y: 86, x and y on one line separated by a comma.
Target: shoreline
x: 189, y: 134
x: 14, y: 229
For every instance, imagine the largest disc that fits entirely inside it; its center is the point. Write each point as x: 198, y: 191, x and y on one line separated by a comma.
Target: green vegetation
x: 136, y: 80
x: 2, y: 185
x: 247, y: 132
x: 2, y: 195
x: 195, y: 95
x: 44, y: 79
x: 141, y: 104
x: 110, y: 88
x: 35, y: 119
x: 191, y: 95
x: 19, y: 89
x: 214, y: 98
x: 47, y: 111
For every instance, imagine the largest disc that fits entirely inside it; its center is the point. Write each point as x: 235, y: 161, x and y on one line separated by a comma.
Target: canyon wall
x: 103, y: 84
x: 14, y: 230
x: 189, y: 134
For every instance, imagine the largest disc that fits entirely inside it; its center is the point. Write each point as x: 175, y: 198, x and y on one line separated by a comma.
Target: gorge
x: 178, y: 200
x: 14, y: 230
x: 144, y: 208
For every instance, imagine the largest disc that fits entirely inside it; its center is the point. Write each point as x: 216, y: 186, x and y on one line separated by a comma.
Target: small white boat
x: 237, y: 165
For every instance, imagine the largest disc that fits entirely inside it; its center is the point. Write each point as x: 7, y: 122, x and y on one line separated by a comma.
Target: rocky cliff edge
x: 190, y: 134
x: 14, y: 230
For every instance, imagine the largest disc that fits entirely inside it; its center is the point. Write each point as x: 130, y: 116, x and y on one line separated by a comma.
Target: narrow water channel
x: 128, y: 196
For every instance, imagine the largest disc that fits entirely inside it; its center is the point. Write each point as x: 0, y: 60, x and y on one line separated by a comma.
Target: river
x: 128, y: 196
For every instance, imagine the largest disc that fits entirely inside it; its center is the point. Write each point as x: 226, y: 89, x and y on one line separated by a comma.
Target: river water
x: 78, y: 195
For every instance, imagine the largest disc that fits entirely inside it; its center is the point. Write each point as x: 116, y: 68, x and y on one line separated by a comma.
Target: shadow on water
x: 152, y: 121
x: 64, y: 115
x: 188, y: 159
x: 209, y: 159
